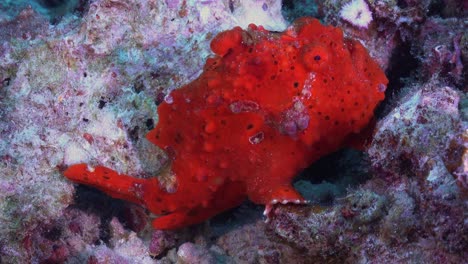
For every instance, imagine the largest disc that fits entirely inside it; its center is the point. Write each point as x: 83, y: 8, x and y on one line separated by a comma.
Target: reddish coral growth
x: 266, y: 106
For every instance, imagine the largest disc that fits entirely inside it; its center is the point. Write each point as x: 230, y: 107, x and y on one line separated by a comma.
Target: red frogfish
x: 266, y: 106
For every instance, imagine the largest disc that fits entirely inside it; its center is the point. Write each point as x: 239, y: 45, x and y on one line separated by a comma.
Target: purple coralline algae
x: 85, y: 86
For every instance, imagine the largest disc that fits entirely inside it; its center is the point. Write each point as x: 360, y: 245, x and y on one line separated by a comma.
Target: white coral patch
x: 357, y: 13
x: 106, y: 126
x: 265, y: 13
x: 74, y: 153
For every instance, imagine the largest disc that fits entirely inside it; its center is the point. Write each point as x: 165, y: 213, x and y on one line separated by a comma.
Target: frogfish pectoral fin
x: 117, y: 185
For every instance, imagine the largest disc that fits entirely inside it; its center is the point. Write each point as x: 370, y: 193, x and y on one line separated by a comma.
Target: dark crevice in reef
x: 293, y: 9
x: 331, y: 168
x: 82, y: 7
x: 93, y: 201
x: 447, y: 9
x: 435, y: 8
x: 52, y: 3
x: 333, y: 175
x: 288, y: 4
x: 402, y: 4
x: 57, y: 9
x: 402, y: 65
x: 246, y: 213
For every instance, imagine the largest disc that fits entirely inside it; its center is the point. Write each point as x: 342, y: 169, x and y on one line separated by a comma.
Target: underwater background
x: 81, y: 81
